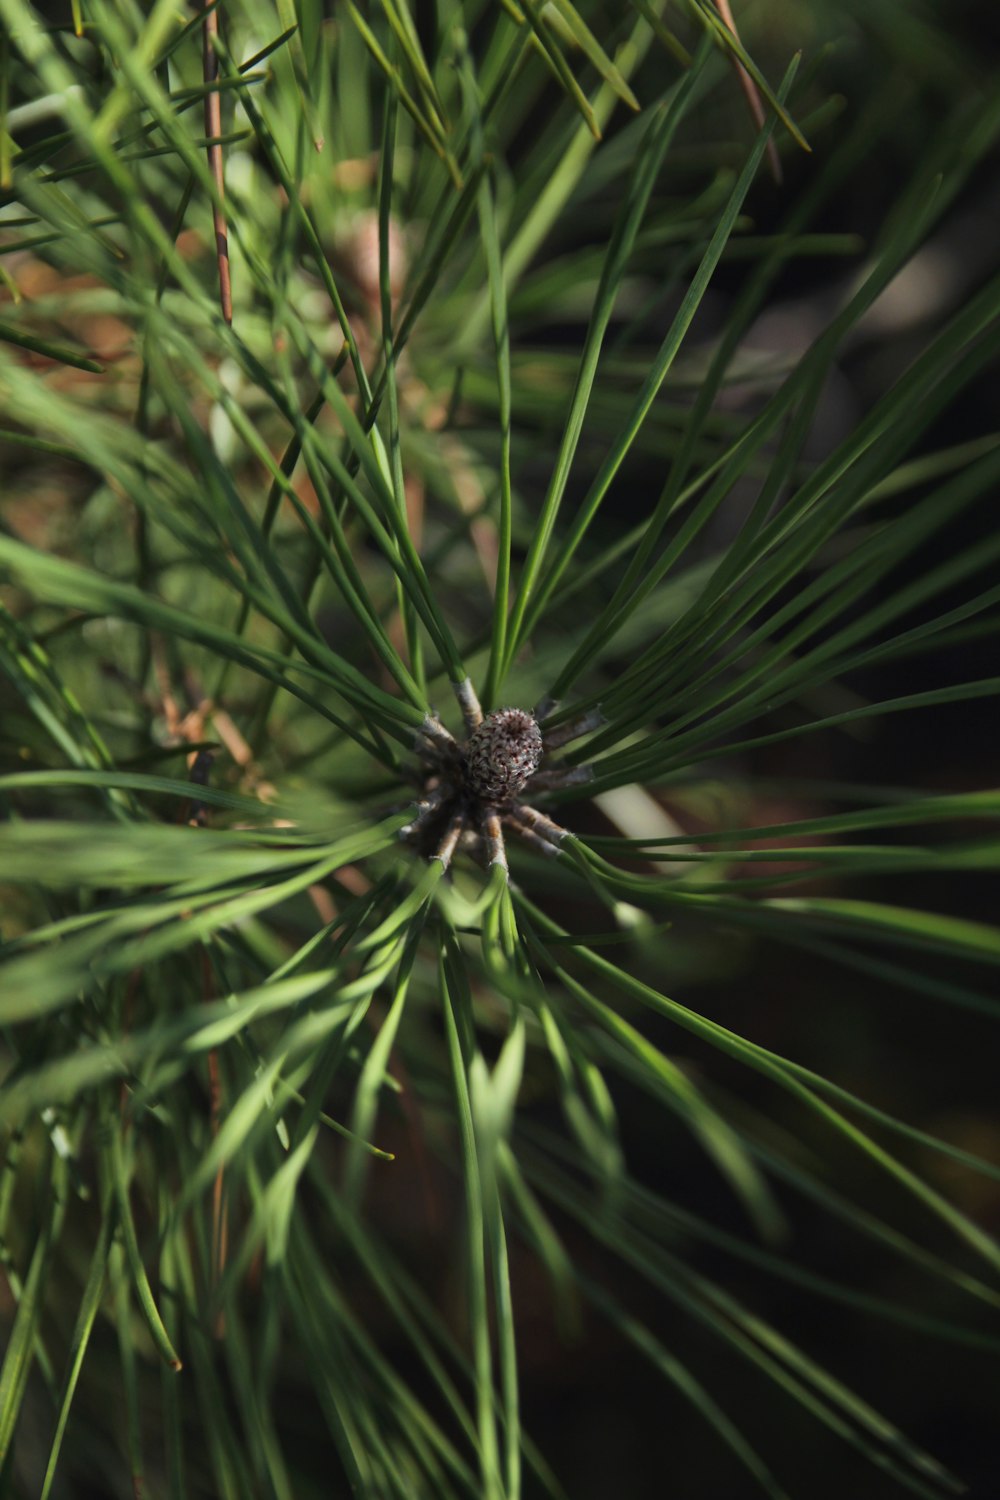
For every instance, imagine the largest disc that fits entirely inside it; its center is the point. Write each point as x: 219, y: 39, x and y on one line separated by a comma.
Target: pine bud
x: 502, y: 755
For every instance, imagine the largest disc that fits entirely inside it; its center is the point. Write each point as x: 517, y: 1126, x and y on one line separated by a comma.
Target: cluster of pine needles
x: 367, y: 370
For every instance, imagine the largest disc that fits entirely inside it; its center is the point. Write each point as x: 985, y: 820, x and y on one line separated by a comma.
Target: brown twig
x: 213, y: 129
x: 750, y: 90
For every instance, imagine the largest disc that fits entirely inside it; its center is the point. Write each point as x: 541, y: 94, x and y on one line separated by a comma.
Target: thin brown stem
x: 449, y: 843
x: 435, y: 799
x: 441, y: 738
x: 213, y: 129
x: 523, y: 817
x: 750, y: 90
x: 468, y: 702
x: 527, y: 834
x: 495, y: 847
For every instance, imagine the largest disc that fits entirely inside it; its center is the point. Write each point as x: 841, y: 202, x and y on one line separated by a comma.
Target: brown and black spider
x: 471, y: 789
